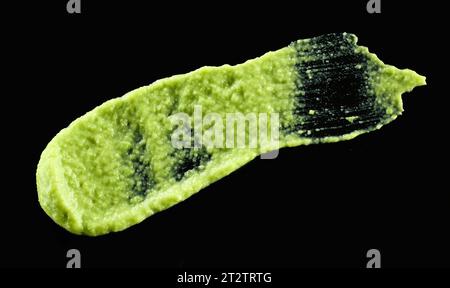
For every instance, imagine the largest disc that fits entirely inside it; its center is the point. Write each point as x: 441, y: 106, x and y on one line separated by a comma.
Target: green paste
x: 115, y: 166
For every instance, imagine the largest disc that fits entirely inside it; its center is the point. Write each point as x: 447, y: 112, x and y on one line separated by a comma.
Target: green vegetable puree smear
x: 116, y: 165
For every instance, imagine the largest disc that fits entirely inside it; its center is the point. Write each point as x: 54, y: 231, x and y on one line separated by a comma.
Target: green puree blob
x: 115, y: 166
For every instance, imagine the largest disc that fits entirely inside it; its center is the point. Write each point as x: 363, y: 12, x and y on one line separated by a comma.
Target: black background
x: 315, y: 206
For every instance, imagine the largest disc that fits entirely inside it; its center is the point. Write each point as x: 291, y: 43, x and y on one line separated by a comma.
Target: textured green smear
x: 115, y: 166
